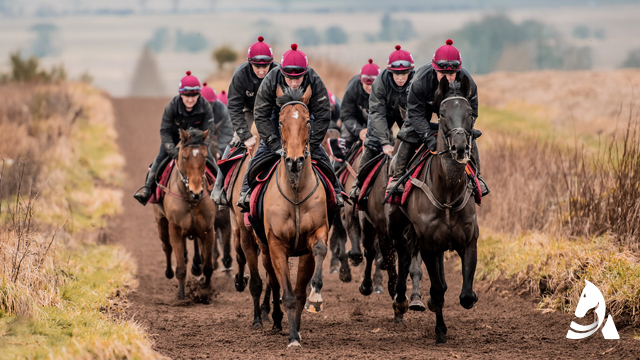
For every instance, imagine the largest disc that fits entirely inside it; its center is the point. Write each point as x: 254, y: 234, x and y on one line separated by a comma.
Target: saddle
x: 163, y: 180
x: 343, y: 171
x: 367, y: 177
x: 230, y: 166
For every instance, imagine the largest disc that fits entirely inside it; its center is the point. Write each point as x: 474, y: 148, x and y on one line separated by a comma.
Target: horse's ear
x: 279, y: 92
x: 443, y: 89
x: 307, y: 96
x: 205, y: 135
x: 465, y: 87
x: 184, y: 136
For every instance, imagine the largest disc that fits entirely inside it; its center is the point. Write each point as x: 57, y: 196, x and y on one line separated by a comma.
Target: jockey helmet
x: 222, y: 97
x: 447, y: 58
x: 400, y: 61
x: 260, y: 53
x: 294, y: 62
x: 208, y: 93
x: 189, y: 84
x: 369, y: 72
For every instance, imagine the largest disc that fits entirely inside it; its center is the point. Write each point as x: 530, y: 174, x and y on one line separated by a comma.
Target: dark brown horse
x: 443, y: 218
x: 186, y: 210
x: 295, y: 213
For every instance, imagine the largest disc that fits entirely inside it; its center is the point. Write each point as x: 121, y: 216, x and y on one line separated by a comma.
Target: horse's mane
x: 196, y: 137
x: 290, y: 95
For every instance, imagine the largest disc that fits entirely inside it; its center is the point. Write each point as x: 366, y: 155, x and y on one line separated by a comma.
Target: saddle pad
x: 343, y: 173
x: 401, y: 200
x: 328, y: 188
x: 368, y: 181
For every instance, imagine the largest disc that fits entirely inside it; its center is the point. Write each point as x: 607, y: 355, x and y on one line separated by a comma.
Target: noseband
x: 448, y: 137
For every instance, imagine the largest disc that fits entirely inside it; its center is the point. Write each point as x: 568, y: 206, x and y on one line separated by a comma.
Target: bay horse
x: 295, y: 212
x: 443, y: 218
x: 187, y: 211
x: 247, y: 247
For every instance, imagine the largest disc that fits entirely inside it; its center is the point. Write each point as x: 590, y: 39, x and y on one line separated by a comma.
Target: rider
x: 186, y: 110
x: 335, y: 111
x: 387, y: 106
x: 294, y: 72
x: 242, y: 90
x: 446, y: 62
x: 222, y: 124
x: 355, y: 104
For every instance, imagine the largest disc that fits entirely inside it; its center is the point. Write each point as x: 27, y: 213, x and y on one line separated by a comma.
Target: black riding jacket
x: 355, y: 109
x: 242, y: 90
x: 387, y: 105
x: 176, y: 117
x: 420, y: 104
x: 222, y: 126
x: 266, y: 112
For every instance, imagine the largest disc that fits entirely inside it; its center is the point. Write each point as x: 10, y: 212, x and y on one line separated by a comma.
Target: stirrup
x: 483, y: 187
x: 354, y: 195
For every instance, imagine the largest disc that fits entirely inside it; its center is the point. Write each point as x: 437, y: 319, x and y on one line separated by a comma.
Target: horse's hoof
x: 378, y: 289
x: 257, y: 323
x: 398, y: 319
x: 313, y: 307
x: 365, y: 289
x: 196, y: 270
x: 294, y: 345
x: 441, y: 339
x: 401, y: 308
x: 169, y: 273
x: 240, y: 284
x: 417, y: 305
x: 276, y: 327
x: 431, y: 306
x: 356, y: 258
x: 468, y: 302
x: 226, y: 264
x: 334, y: 268
x: 345, y: 274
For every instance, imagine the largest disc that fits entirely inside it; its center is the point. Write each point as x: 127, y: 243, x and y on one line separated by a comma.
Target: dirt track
x: 501, y: 326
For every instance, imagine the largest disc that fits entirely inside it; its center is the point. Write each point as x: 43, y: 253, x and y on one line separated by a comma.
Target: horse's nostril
x: 300, y: 161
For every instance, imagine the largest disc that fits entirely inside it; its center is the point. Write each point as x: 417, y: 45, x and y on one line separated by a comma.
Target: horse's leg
x: 250, y: 248
x: 468, y: 297
x: 378, y: 288
x: 305, y: 273
x: 436, y: 301
x: 345, y: 270
x: 196, y: 264
x: 208, y: 250
x: 274, y: 286
x: 354, y: 231
x: 400, y: 303
x: 215, y: 250
x: 280, y: 262
x: 178, y: 244
x: 370, y: 237
x: 318, y: 243
x: 334, y: 245
x: 163, y: 232
x: 415, y: 270
x: 224, y: 236
x: 389, y: 261
x: 240, y: 278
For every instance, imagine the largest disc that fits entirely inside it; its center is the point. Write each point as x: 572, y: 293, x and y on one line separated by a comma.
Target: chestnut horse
x: 443, y: 218
x: 295, y: 213
x: 187, y: 211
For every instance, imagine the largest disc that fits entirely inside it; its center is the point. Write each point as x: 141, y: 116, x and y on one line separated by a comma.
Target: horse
x: 247, y: 250
x: 295, y: 213
x: 439, y: 209
x: 187, y: 211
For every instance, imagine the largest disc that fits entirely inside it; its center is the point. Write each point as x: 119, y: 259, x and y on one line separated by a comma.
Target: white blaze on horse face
x: 295, y: 115
x: 196, y: 152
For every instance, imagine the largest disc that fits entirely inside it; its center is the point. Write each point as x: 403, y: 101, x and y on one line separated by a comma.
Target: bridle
x: 306, y: 147
x: 448, y: 137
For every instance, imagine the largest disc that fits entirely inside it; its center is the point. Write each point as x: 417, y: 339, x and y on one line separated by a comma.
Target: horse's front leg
x: 196, y: 264
x: 240, y: 279
x: 250, y: 248
x: 378, y: 288
x: 334, y: 245
x: 469, y: 256
x: 415, y: 270
x: 370, y: 238
x: 208, y: 246
x: 178, y: 244
x: 274, y: 287
x: 318, y: 244
x: 438, y: 288
x: 280, y: 261
x: 223, y: 232
x: 163, y: 233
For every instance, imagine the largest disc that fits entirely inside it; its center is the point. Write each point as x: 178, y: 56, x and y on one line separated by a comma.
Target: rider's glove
x: 172, y: 150
x: 430, y: 141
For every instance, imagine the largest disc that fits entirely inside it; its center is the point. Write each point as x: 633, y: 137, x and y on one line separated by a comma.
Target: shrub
x: 224, y: 54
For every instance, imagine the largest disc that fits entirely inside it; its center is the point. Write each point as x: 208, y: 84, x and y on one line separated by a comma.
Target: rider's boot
x: 403, y: 156
x: 476, y: 157
x: 245, y: 195
x: 218, y: 194
x: 144, y: 193
x: 367, y: 155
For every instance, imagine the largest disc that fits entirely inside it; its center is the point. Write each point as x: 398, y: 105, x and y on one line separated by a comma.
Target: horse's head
x: 192, y: 161
x: 589, y: 299
x: 294, y: 127
x: 456, y: 119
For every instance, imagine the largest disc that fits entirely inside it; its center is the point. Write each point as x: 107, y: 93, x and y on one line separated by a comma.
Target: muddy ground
x: 503, y: 324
